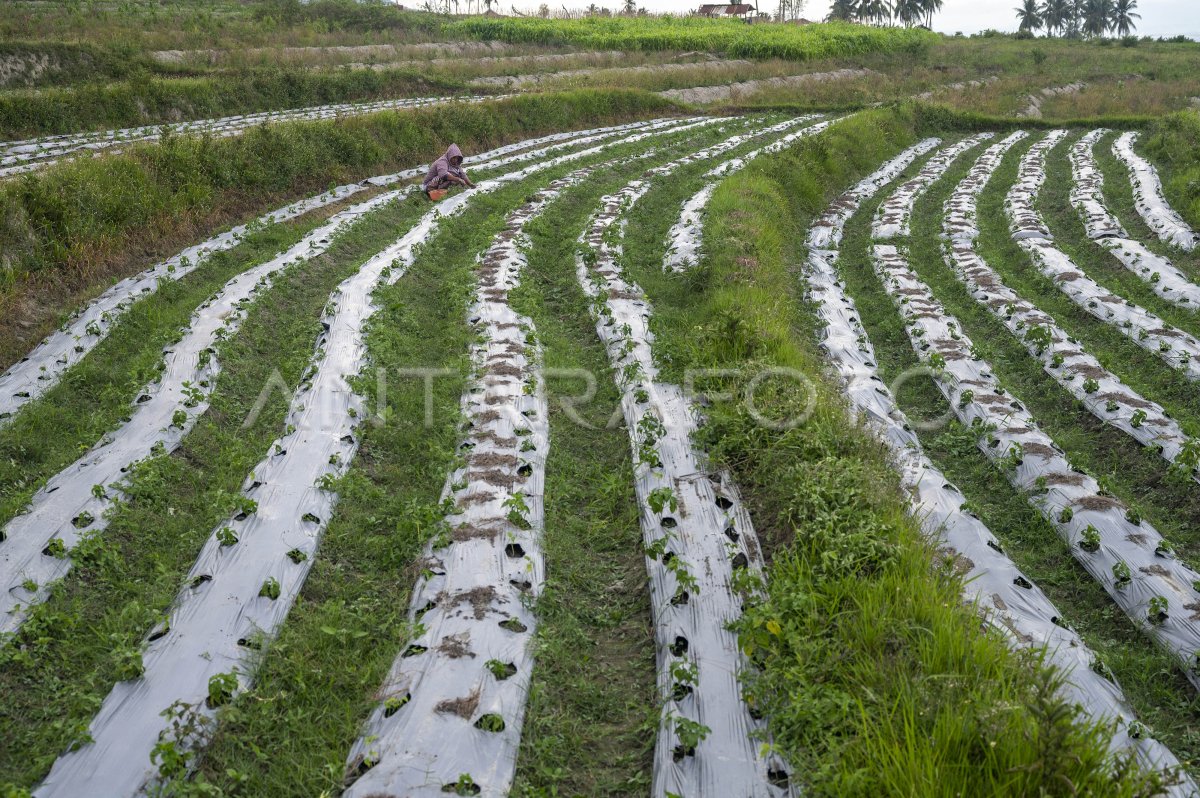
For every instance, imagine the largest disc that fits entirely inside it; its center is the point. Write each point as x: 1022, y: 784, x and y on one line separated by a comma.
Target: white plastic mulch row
x: 35, y: 546
x: 17, y: 157
x: 699, y: 540
x: 683, y: 239
x: 1126, y: 555
x: 1087, y: 195
x: 253, y: 566
x: 894, y: 214
x: 454, y: 700
x: 1177, y: 348
x: 1065, y: 360
x: 34, y: 551
x: 1148, y: 197
x: 1011, y: 603
x: 44, y: 366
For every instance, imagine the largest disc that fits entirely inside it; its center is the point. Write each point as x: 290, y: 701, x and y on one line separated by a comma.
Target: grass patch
x: 1157, y: 690
x: 145, y: 100
x: 732, y: 37
x: 1173, y: 146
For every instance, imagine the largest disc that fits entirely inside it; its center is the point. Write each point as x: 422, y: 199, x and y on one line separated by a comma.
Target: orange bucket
x: 437, y: 194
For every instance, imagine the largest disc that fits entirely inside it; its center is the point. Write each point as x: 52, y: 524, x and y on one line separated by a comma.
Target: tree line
x: 886, y: 12
x: 1078, y: 18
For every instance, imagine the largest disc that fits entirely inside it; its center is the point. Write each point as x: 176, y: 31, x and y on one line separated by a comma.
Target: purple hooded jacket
x: 436, y: 176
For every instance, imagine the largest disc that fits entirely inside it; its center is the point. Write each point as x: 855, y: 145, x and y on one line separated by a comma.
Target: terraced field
x: 843, y: 450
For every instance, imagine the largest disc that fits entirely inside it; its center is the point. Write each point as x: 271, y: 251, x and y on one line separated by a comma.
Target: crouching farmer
x: 445, y: 172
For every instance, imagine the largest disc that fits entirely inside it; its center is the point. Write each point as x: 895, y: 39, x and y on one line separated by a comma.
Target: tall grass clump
x: 793, y: 42
x: 876, y: 677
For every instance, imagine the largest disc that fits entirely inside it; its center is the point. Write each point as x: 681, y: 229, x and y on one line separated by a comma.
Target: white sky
x: 1159, y: 17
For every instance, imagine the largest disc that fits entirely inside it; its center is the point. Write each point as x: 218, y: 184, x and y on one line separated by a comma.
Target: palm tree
x: 1097, y: 17
x: 909, y: 12
x: 1030, y: 15
x: 1056, y: 15
x: 877, y: 11
x: 1123, y: 17
x: 931, y: 8
x: 846, y: 10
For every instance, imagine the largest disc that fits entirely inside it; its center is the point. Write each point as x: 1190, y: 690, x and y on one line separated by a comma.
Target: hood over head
x: 453, y: 152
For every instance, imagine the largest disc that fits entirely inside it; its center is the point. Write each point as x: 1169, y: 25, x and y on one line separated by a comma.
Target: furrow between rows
x: 893, y: 217
x: 1010, y: 602
x: 453, y: 702
x: 46, y: 364
x: 1087, y: 195
x: 252, y: 567
x: 703, y: 555
x: 1177, y: 348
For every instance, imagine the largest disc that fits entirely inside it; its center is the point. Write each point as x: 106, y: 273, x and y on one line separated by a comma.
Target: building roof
x: 733, y: 10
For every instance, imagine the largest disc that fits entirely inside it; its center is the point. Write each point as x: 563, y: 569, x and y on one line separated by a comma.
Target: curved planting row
x: 44, y: 366
x: 1176, y: 348
x: 1087, y: 195
x: 454, y: 701
x: 1124, y: 554
x: 1012, y: 604
x: 683, y: 239
x: 702, y: 553
x: 34, y: 546
x: 26, y: 155
x: 252, y: 567
x: 1149, y: 200
x: 894, y: 214
x: 1064, y: 359
x: 451, y: 709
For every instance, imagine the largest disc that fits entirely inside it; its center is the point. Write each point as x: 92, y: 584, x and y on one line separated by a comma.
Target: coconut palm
x: 1122, y: 17
x: 1097, y: 17
x: 1056, y: 15
x: 909, y: 12
x: 1030, y: 15
x: 877, y: 11
x: 845, y: 10
x: 931, y: 8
